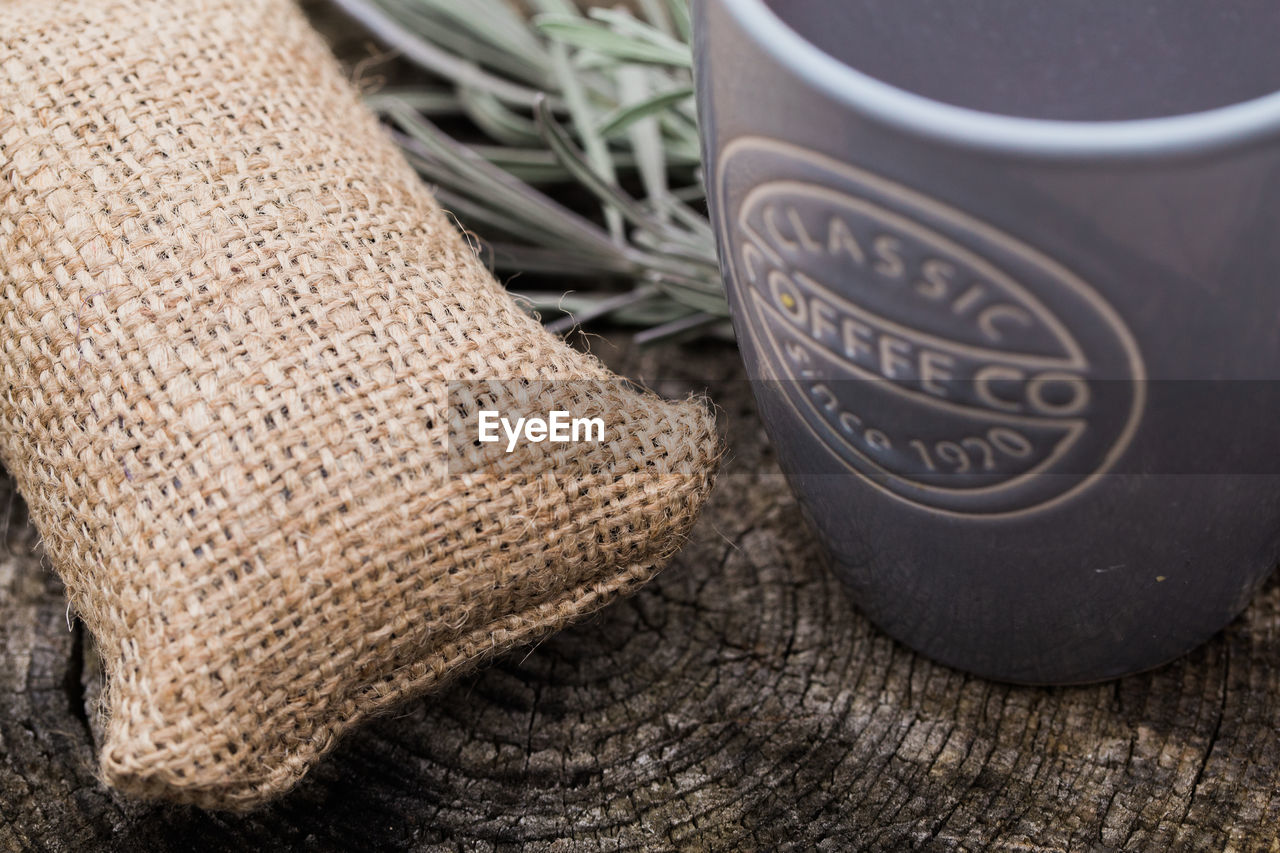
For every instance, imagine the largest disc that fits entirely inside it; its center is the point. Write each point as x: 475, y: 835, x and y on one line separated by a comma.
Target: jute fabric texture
x: 241, y: 348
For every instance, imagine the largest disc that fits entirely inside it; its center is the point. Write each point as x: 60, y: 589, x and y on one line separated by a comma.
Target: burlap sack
x: 235, y: 332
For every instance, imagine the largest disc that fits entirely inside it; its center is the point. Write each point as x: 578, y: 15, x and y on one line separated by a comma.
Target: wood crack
x: 73, y: 682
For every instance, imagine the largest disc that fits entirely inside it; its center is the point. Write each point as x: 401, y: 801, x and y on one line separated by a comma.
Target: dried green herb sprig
x: 559, y: 101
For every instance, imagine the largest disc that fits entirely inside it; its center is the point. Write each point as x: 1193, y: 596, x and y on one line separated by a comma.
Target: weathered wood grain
x: 739, y: 702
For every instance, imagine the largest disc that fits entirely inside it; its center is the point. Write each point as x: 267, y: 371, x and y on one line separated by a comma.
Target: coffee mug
x: 1006, y: 279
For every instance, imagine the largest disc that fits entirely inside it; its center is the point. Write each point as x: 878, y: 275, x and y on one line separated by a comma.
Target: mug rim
x: 1222, y: 127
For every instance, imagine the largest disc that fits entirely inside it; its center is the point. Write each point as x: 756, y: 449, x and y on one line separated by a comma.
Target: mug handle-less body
x: 1019, y: 372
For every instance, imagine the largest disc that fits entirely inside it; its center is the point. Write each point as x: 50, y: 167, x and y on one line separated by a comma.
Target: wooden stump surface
x: 739, y: 702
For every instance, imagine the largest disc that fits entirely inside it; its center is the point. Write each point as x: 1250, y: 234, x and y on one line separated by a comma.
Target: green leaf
x: 656, y: 15
x: 679, y: 10
x: 462, y: 35
x: 624, y: 117
x: 496, y: 119
x: 675, y: 328
x: 562, y: 7
x: 428, y: 101
x: 467, y: 171
x: 646, y: 141
x: 597, y: 162
x: 580, y: 33
x: 438, y: 60
x: 603, y: 187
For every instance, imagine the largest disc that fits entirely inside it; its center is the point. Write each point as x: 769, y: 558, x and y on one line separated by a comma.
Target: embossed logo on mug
x: 945, y: 362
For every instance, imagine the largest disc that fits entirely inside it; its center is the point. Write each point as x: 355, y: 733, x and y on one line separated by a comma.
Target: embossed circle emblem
x: 943, y: 361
